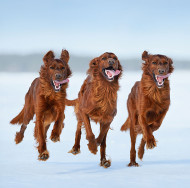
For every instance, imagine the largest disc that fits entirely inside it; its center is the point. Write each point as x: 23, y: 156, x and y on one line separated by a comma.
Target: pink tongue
x: 165, y: 76
x: 160, y: 78
x: 61, y: 82
x: 113, y: 73
x: 117, y: 72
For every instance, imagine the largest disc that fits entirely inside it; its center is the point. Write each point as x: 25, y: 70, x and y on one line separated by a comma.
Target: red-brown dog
x: 46, y: 99
x: 148, y: 103
x: 97, y: 100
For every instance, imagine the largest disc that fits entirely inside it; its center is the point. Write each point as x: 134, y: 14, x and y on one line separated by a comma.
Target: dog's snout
x: 161, y: 71
x: 111, y: 62
x: 58, y: 76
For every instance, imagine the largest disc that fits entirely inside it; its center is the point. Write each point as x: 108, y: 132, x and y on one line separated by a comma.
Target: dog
x: 97, y: 100
x: 148, y: 103
x: 46, y: 99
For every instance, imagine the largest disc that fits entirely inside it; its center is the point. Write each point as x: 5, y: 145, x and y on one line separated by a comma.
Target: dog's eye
x: 165, y: 63
x: 52, y: 68
x: 154, y: 63
x: 62, y: 68
x: 103, y: 58
x: 115, y: 58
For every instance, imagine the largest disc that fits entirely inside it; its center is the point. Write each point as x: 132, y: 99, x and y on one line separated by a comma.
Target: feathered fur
x: 148, y: 104
x: 46, y: 101
x: 97, y: 100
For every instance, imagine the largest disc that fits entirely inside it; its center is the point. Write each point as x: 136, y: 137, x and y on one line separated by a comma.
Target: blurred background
x: 28, y: 29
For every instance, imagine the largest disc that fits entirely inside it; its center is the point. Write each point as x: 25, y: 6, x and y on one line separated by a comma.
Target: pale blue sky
x: 93, y: 27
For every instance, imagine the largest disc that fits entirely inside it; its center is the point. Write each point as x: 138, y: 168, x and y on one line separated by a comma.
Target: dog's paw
x: 105, y: 163
x: 74, y: 151
x: 151, y: 143
x: 43, y: 156
x: 54, y: 137
x: 18, y: 138
x: 133, y: 164
x: 92, y: 146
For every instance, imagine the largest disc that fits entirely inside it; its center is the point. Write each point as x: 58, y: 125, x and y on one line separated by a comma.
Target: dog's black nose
x: 58, y: 76
x: 161, y: 71
x: 111, y: 62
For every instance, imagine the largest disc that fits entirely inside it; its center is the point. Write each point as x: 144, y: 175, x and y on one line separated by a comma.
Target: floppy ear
x: 49, y: 56
x: 69, y: 72
x: 65, y: 56
x: 119, y: 66
x: 145, y: 56
x: 171, y: 68
x: 94, y: 63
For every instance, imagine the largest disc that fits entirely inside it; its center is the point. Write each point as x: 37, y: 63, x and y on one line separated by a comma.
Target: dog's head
x: 159, y: 67
x: 107, y: 66
x: 57, y: 70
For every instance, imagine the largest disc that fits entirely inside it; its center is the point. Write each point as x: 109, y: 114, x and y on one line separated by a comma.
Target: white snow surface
x: 167, y: 165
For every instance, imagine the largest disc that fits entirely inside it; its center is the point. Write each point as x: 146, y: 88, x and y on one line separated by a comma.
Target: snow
x: 168, y: 165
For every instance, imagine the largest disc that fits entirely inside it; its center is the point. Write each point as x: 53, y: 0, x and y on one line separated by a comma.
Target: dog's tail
x: 126, y: 125
x: 19, y: 118
x: 71, y: 102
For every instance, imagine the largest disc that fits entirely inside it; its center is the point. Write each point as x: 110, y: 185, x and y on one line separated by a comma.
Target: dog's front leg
x: 57, y: 128
x: 147, y: 133
x: 92, y: 145
x: 102, y: 141
x: 40, y: 137
x: 104, y: 127
x: 156, y: 125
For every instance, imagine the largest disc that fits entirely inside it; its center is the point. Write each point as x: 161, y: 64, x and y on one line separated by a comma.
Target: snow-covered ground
x: 168, y: 165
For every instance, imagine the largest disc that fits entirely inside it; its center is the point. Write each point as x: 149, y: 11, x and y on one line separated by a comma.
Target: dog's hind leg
x: 46, y: 129
x: 141, y: 149
x: 76, y: 148
x: 28, y: 116
x: 133, y: 136
x: 20, y: 135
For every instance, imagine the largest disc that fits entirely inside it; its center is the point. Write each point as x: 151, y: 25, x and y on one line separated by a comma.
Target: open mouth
x: 110, y: 73
x: 159, y: 79
x: 57, y: 84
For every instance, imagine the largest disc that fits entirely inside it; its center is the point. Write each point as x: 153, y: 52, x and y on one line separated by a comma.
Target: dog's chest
x: 53, y: 109
x: 104, y: 106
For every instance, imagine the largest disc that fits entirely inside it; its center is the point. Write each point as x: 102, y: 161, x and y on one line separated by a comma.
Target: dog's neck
x: 104, y: 92
x: 104, y: 86
x: 150, y: 89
